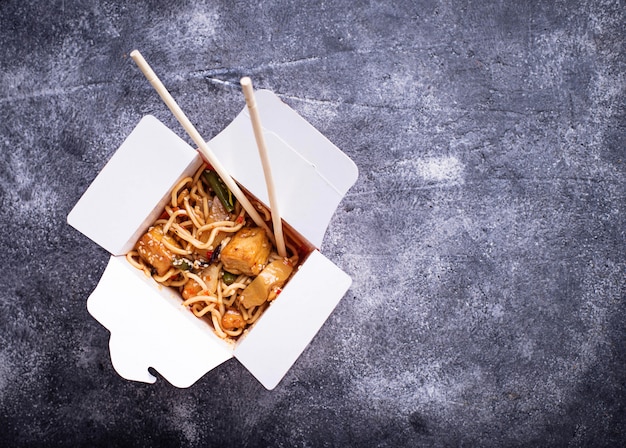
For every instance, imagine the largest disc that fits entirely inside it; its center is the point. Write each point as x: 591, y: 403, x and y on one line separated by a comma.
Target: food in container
x: 205, y: 246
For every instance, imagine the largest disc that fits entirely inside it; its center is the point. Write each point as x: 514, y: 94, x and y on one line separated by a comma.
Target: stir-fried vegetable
x: 221, y: 191
x: 183, y: 264
x: 229, y: 278
x: 267, y: 285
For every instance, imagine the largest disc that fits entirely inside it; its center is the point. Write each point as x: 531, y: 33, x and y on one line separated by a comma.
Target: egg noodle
x: 194, y: 228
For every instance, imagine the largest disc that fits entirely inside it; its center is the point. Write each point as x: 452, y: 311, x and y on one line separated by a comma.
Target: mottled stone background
x: 485, y: 235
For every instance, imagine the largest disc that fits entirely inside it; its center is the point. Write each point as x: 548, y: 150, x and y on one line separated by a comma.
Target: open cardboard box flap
x: 148, y: 325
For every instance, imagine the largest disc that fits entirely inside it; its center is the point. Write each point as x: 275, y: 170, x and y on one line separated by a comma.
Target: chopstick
x: 197, y: 138
x: 248, y: 92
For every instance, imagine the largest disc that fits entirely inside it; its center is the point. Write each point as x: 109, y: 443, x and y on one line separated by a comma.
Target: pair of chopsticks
x: 204, y: 149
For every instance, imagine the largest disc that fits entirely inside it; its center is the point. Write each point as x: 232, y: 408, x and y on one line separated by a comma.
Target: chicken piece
x: 209, y: 275
x: 267, y: 284
x: 152, y: 250
x: 247, y: 252
x: 232, y: 319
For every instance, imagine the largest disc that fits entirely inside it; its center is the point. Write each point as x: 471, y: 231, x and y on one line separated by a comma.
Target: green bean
x: 229, y: 278
x: 221, y: 191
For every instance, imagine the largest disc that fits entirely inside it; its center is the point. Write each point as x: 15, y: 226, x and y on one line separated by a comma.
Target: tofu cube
x: 152, y: 250
x: 247, y: 252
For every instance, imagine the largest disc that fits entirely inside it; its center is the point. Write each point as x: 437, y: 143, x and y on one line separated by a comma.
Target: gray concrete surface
x: 485, y: 235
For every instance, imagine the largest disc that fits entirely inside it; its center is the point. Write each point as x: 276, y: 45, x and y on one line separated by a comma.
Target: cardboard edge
x: 335, y: 170
x: 149, y: 148
x: 149, y: 331
x: 342, y: 173
x: 280, y: 327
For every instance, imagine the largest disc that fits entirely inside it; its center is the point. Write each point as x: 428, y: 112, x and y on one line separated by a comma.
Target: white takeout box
x: 149, y: 326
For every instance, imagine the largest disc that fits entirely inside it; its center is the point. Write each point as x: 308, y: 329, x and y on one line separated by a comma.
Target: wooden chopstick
x: 197, y: 138
x: 248, y: 91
